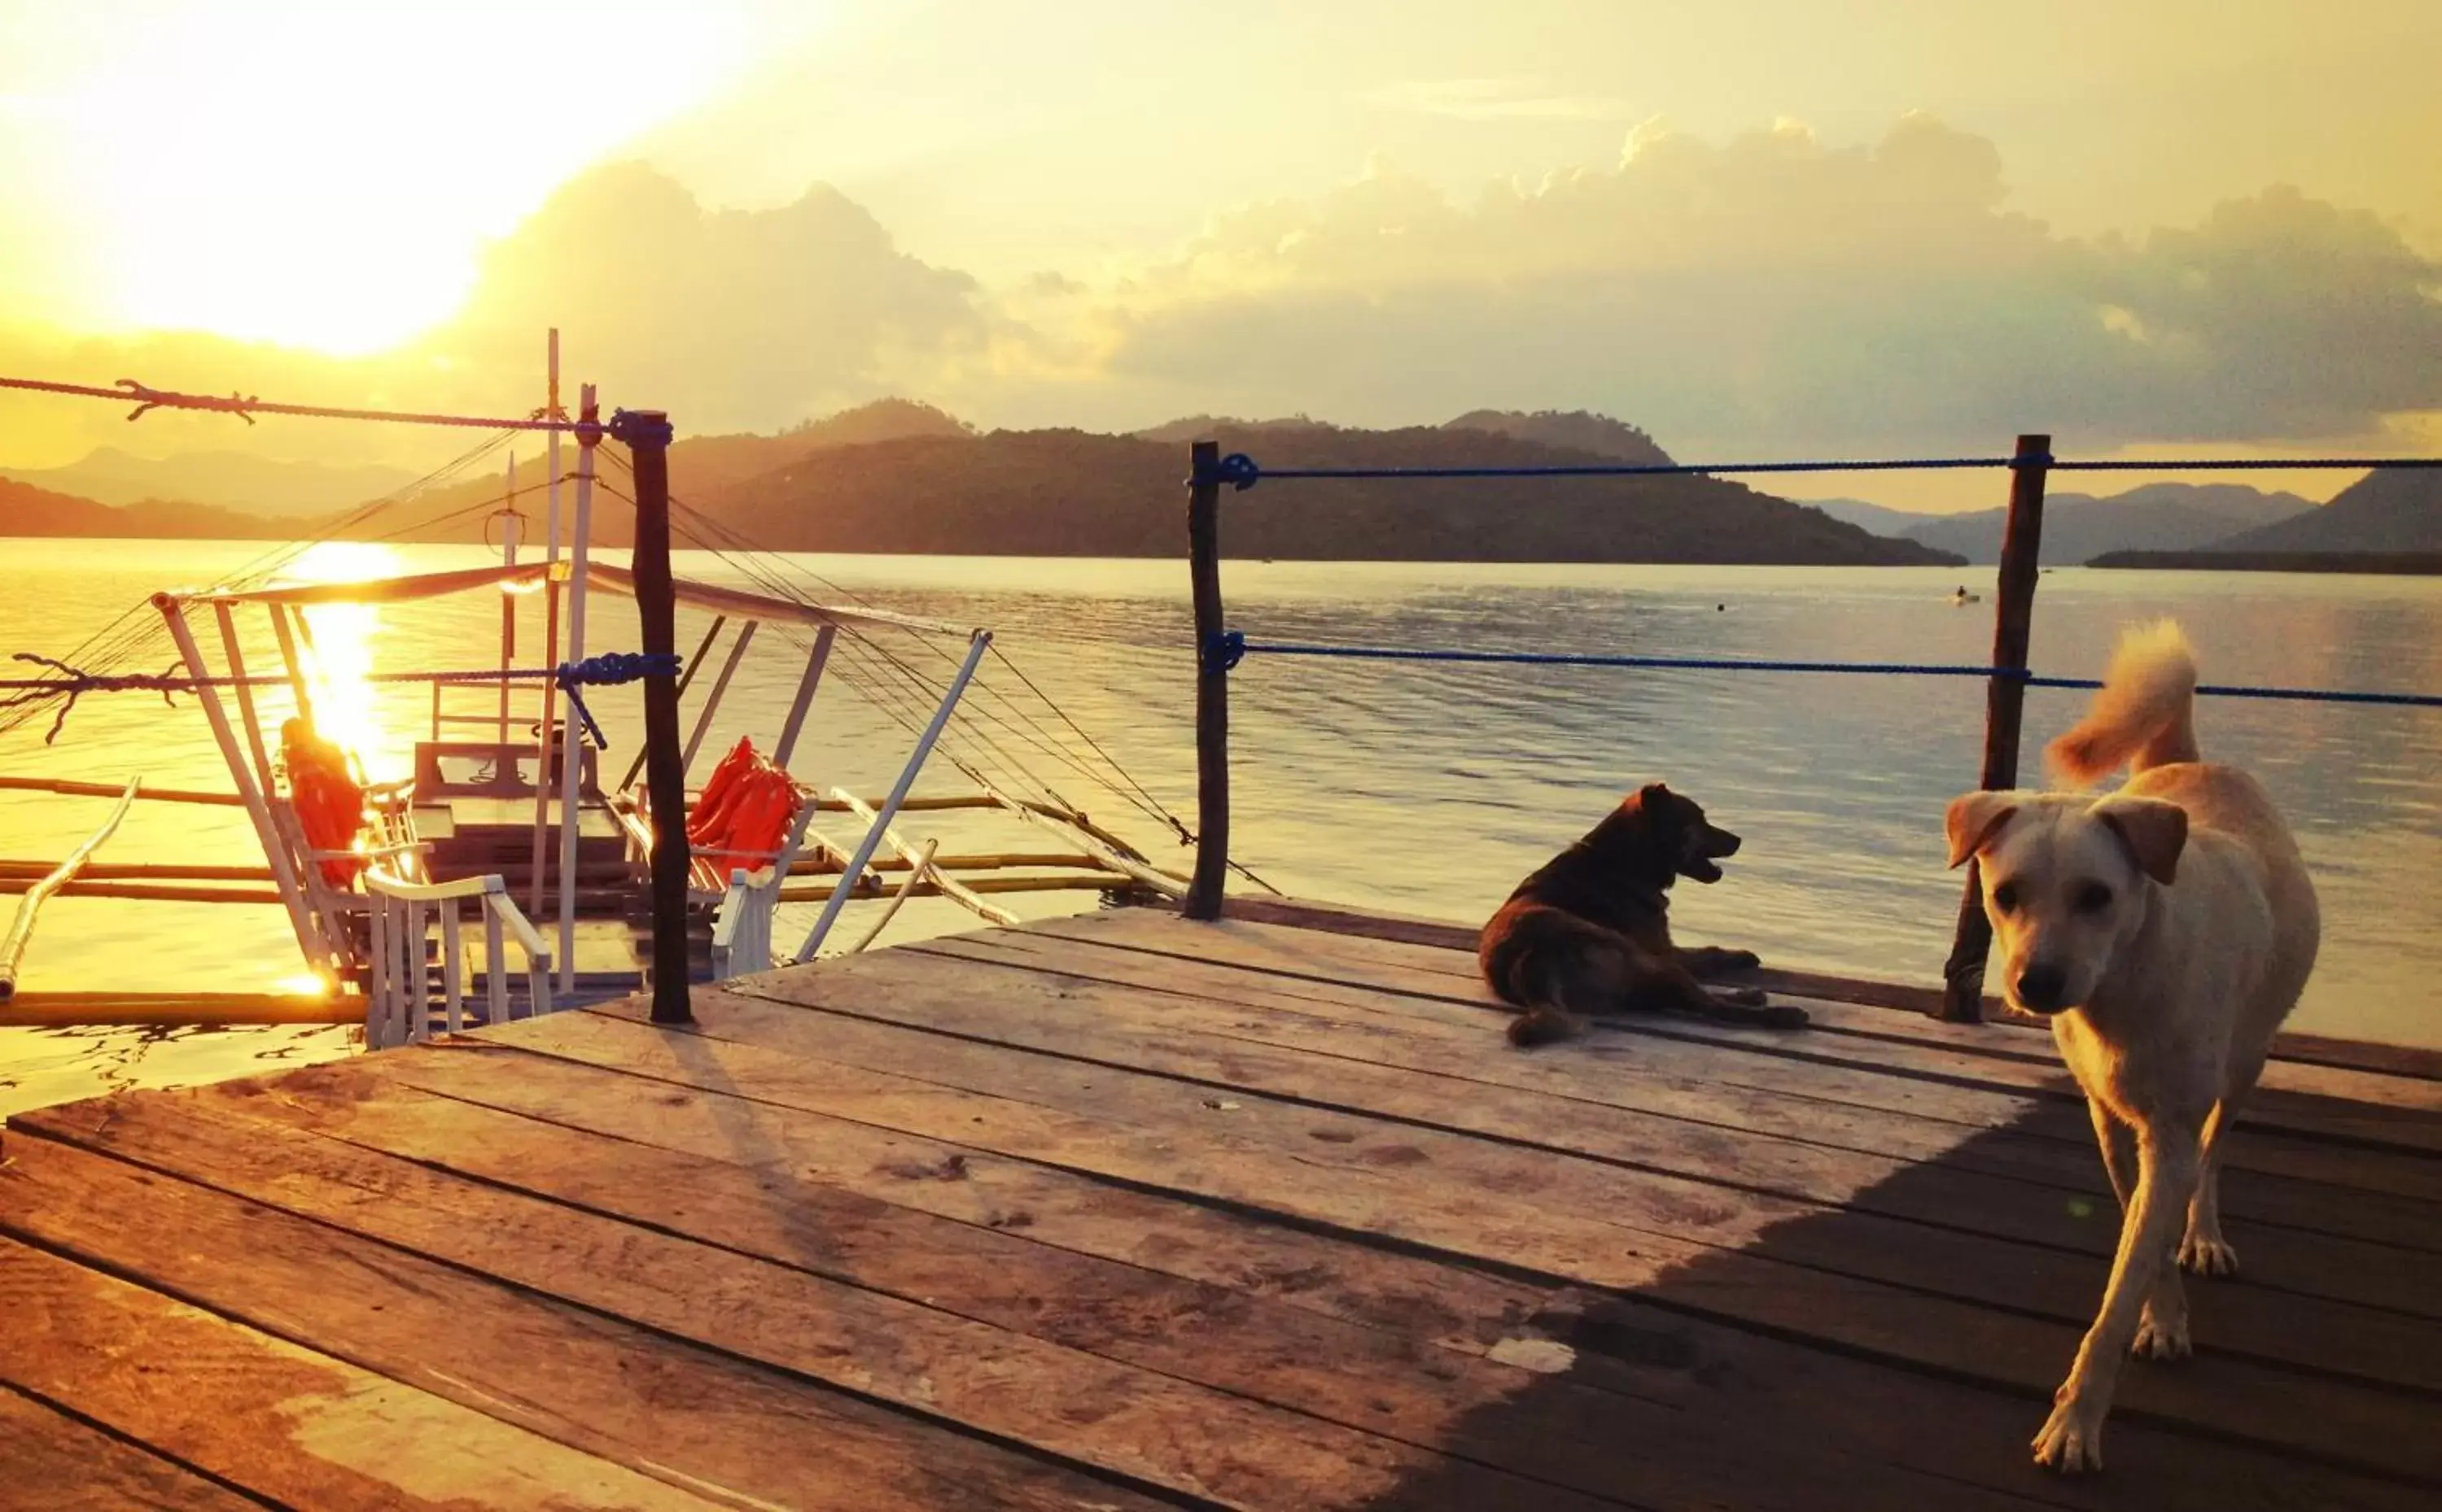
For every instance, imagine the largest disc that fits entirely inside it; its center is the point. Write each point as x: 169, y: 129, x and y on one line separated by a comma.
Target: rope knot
x: 609, y: 670
x: 1237, y: 470
x: 634, y: 427
x: 1224, y: 650
x: 75, y: 682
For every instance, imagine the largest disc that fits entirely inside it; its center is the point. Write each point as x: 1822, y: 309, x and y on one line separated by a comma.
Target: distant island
x: 2394, y: 513
x: 901, y: 477
x: 2401, y: 563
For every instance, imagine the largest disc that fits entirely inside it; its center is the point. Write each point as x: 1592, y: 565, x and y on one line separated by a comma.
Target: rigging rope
x: 1225, y: 651
x: 245, y: 407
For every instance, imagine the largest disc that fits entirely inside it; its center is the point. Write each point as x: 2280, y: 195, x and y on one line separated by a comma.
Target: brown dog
x: 1589, y: 934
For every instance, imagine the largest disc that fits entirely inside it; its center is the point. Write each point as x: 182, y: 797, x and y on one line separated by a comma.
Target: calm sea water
x: 1424, y: 788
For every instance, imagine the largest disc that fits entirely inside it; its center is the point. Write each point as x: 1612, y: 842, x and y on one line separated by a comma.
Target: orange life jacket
x: 330, y: 806
x: 760, y: 820
x: 719, y: 789
x: 745, y: 808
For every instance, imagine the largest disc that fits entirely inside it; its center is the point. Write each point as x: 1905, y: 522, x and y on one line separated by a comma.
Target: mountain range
x: 898, y: 476
x: 2384, y: 511
x: 901, y: 476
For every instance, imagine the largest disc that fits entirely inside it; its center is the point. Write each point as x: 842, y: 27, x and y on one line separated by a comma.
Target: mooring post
x: 646, y: 435
x: 2005, y: 698
x: 1212, y: 684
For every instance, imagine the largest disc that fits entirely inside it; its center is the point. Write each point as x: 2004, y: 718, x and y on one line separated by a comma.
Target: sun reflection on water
x: 336, y: 653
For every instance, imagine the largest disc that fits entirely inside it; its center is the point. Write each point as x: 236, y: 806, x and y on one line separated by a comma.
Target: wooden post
x: 2005, y: 697
x: 1212, y: 684
x: 687, y: 680
x: 646, y: 433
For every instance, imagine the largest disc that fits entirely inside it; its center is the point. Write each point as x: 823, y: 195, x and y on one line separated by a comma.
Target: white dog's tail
x: 2145, y: 714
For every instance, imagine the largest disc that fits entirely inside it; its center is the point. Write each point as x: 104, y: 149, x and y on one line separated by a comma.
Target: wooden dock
x: 1123, y: 1211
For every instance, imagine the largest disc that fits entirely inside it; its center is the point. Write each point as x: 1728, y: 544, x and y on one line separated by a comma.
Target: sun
x: 325, y: 175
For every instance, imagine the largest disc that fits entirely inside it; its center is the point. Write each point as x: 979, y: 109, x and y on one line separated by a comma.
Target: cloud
x: 1495, y: 100
x: 1776, y: 293
x: 732, y: 318
x: 1773, y: 295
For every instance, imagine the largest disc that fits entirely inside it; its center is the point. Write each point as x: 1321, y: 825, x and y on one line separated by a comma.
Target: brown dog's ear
x: 1974, y: 819
x: 2154, y: 831
x: 1649, y: 794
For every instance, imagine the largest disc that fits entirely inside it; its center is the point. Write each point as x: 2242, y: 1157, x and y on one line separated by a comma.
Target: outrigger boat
x: 500, y: 878
x: 382, y: 881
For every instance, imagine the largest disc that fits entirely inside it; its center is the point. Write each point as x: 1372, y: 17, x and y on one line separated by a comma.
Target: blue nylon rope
x: 609, y: 670
x: 1242, y: 472
x: 1225, y: 650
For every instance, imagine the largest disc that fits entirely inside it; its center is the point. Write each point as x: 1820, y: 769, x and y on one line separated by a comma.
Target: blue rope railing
x: 1240, y: 471
x: 1225, y: 650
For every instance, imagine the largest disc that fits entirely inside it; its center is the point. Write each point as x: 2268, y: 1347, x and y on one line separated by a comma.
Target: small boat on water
x: 1959, y: 595
x: 502, y: 873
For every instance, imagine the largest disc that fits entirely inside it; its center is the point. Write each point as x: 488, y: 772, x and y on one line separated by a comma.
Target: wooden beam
x: 68, y: 788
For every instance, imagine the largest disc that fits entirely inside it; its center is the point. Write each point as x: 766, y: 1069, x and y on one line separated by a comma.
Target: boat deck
x: 1121, y: 1211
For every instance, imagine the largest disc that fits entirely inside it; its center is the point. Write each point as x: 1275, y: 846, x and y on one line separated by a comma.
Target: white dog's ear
x: 1975, y: 819
x: 2154, y: 831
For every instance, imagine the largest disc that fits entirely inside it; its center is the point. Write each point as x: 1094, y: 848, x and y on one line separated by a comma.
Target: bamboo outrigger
x: 457, y: 821
x: 507, y: 805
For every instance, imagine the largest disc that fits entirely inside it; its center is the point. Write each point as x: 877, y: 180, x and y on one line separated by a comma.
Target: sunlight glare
x: 325, y: 175
x: 337, y: 654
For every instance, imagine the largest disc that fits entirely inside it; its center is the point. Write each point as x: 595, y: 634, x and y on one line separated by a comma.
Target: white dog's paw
x: 2072, y: 1441
x: 2159, y: 1338
x: 2208, y: 1255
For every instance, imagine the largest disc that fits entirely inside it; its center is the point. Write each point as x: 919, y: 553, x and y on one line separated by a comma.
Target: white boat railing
x: 401, y: 915
x: 741, y: 935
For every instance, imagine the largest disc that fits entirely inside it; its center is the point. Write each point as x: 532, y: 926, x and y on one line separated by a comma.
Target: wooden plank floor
x: 1121, y: 1211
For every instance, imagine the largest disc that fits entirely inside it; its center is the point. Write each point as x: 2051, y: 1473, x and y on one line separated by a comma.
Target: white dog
x: 2166, y: 930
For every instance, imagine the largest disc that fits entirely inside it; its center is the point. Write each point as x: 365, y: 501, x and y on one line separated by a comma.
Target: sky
x: 1760, y: 230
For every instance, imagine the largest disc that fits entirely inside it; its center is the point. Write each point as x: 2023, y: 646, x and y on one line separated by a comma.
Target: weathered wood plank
x: 2294, y: 1099
x: 1381, y: 1380
x: 2018, y: 1041
x: 1449, y: 1193
x: 1771, y: 1386
x: 1088, y: 1409
x: 698, y: 1419
x: 1410, y: 1034
x: 1958, y: 1232
x: 2025, y: 1039
x: 292, y: 1426
x: 2416, y: 1062
x: 1170, y: 1037
x: 49, y: 1460
x: 2001, y: 1039
x: 2058, y: 1118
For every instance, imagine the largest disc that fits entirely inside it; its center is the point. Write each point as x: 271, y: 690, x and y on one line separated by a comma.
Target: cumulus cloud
x: 1770, y: 295
x: 1777, y: 292
x: 733, y: 318
x: 730, y: 319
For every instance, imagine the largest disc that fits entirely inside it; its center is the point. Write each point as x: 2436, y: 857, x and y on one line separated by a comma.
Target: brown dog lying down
x: 1590, y: 933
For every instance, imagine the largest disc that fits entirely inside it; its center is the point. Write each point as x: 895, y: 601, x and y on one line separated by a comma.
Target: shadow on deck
x: 1121, y: 1212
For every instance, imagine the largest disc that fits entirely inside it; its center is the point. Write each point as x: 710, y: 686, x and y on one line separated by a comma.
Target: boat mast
x: 510, y: 519
x: 572, y: 753
x: 551, y: 711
